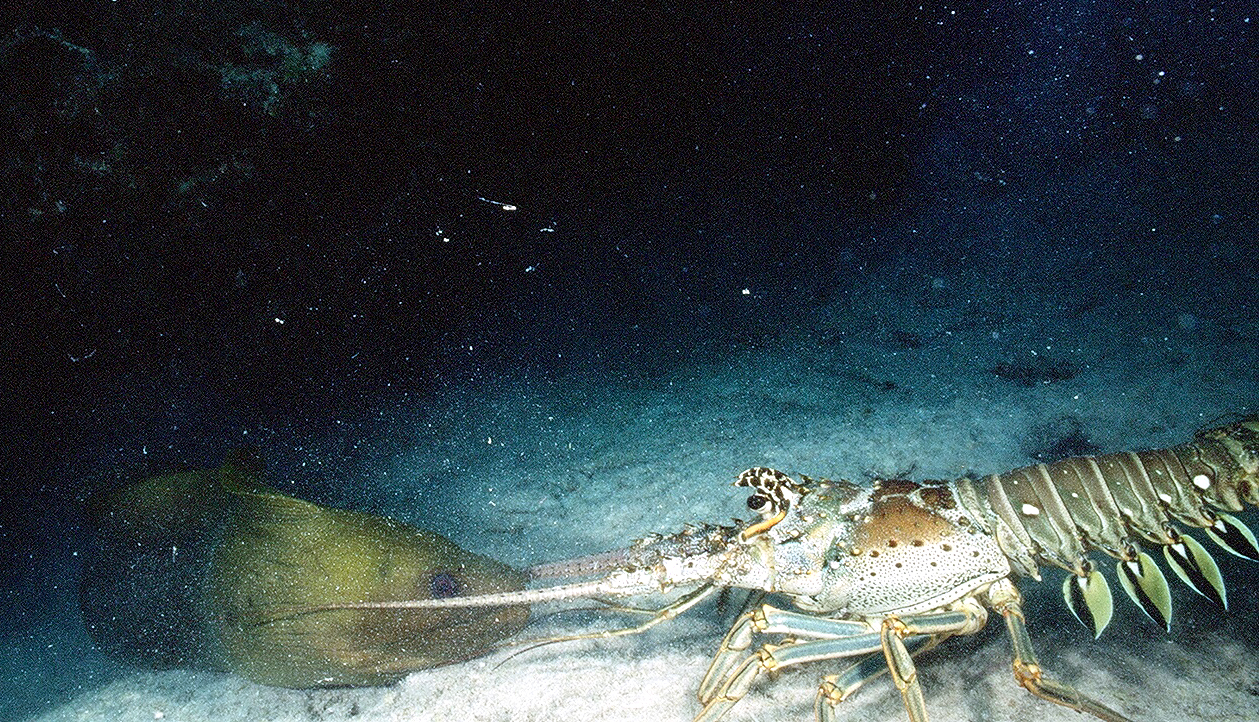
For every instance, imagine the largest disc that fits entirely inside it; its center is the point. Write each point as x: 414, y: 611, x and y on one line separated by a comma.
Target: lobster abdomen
x: 1053, y: 514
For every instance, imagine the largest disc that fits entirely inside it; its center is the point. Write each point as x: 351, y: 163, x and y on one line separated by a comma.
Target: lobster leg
x: 901, y: 666
x: 734, y: 668
x: 1005, y: 598
x: 767, y: 619
x: 967, y: 619
x: 836, y: 688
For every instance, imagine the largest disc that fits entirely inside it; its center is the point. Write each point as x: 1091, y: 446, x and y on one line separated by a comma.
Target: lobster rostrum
x: 880, y: 574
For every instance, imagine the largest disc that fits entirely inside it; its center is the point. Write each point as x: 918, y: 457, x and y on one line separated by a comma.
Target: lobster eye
x: 756, y: 502
x: 443, y: 586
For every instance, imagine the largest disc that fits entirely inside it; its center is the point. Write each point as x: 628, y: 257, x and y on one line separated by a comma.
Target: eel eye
x: 443, y: 586
x: 756, y: 502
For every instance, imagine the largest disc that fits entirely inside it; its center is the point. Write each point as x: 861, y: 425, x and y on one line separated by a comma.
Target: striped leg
x: 810, y: 639
x: 1005, y: 598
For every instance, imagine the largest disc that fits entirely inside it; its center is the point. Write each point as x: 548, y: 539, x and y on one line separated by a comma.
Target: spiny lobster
x: 880, y: 574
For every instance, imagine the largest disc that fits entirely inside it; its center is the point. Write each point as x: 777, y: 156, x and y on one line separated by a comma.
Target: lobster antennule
x: 593, y: 588
x: 581, y: 566
x: 500, y: 599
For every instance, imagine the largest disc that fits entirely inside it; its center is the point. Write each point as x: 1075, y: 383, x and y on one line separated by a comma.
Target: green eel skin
x: 195, y: 569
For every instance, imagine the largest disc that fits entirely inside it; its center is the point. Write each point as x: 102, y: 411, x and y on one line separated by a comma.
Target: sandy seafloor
x: 894, y: 374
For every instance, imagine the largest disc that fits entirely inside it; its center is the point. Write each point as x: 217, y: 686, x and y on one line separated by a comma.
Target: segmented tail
x: 1053, y: 514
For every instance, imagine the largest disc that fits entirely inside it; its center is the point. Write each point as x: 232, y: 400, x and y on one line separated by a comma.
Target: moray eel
x: 194, y: 569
